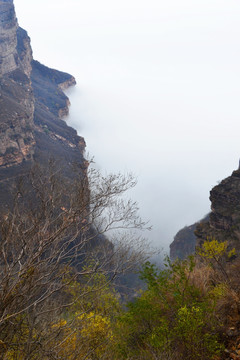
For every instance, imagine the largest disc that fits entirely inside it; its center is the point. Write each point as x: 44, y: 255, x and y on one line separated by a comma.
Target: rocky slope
x: 224, y: 219
x: 222, y: 224
x: 32, y: 105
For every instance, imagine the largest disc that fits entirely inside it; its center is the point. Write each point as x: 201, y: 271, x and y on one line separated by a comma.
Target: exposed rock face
x: 222, y: 224
x: 16, y: 95
x: 184, y: 242
x: 24, y: 51
x: 54, y: 138
x: 224, y: 220
x: 9, y: 60
x: 16, y: 119
x: 48, y: 85
x: 32, y: 104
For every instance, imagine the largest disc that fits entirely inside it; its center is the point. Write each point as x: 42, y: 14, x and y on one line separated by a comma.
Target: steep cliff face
x: 16, y: 115
x: 224, y: 220
x: 24, y: 51
x: 9, y: 60
x: 222, y: 224
x: 54, y: 138
x: 32, y: 105
x: 16, y: 95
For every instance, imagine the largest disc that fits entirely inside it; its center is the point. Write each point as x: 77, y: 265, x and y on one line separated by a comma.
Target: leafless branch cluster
x: 56, y: 224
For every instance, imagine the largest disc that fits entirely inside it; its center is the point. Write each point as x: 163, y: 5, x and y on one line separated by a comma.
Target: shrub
x: 172, y: 319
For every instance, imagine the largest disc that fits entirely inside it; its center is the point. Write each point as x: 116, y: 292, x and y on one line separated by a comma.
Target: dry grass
x: 203, y: 277
x: 225, y: 290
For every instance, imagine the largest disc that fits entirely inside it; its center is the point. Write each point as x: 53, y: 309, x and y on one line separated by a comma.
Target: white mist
x: 158, y: 93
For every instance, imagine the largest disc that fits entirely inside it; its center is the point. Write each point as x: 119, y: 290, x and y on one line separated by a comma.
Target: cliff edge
x: 222, y: 224
x: 32, y: 108
x: 224, y: 219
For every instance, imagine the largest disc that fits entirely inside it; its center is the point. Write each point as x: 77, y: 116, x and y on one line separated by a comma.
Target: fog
x: 158, y: 93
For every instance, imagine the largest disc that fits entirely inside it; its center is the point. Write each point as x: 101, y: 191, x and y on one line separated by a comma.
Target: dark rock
x: 184, y: 242
x: 224, y: 220
x: 222, y: 224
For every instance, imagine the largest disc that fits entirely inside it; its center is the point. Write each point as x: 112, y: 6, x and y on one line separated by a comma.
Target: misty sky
x: 158, y: 93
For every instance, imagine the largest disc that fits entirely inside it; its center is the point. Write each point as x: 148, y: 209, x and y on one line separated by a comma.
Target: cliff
x: 9, y: 59
x: 224, y: 219
x: 222, y: 224
x: 16, y: 96
x: 32, y: 105
x: 184, y: 242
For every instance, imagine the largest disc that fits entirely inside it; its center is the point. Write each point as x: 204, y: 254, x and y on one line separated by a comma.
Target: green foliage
x: 212, y: 249
x: 85, y: 329
x: 93, y: 293
x: 174, y: 318
x: 215, y: 254
x: 171, y: 319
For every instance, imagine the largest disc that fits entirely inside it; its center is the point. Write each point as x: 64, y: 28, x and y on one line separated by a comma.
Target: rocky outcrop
x: 184, y: 242
x: 224, y: 219
x: 48, y: 85
x: 54, y: 138
x: 222, y: 224
x: 67, y: 83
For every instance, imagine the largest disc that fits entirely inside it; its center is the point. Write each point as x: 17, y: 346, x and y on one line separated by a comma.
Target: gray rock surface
x: 32, y: 104
x: 9, y: 59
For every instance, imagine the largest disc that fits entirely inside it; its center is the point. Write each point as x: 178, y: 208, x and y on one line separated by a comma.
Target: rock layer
x: 16, y: 95
x: 16, y: 115
x: 32, y: 105
x: 9, y: 60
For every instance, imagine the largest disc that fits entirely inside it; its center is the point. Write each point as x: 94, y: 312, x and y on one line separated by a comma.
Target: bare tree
x: 56, y: 224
